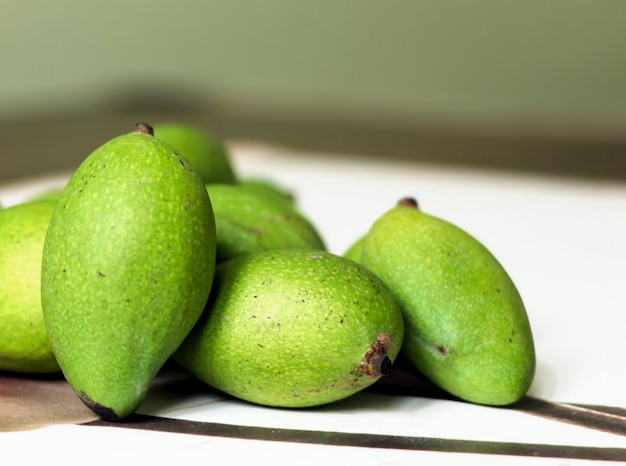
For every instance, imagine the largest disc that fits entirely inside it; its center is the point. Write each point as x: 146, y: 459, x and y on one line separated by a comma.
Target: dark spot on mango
x: 104, y: 412
x: 442, y: 350
x: 376, y: 363
x: 385, y: 367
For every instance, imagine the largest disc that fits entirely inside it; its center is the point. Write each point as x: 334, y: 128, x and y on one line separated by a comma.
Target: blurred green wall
x: 396, y: 59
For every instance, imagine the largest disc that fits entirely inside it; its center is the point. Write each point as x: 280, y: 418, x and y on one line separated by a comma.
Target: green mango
x: 128, y: 263
x: 249, y: 220
x: 50, y: 195
x: 205, y: 151
x: 354, y: 250
x: 269, y: 187
x: 294, y: 328
x: 24, y: 346
x: 466, y: 327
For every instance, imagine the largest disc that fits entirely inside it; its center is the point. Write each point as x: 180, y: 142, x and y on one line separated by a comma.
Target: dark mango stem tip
x: 144, y: 128
x: 376, y: 363
x: 385, y: 367
x: 408, y: 202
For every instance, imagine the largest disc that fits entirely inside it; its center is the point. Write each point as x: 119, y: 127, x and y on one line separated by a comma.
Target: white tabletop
x: 561, y: 240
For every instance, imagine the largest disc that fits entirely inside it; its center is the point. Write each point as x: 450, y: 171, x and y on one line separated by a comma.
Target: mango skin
x: 466, y: 327
x: 292, y: 329
x: 267, y: 186
x: 249, y: 220
x: 128, y: 262
x: 354, y: 250
x: 207, y: 153
x: 52, y: 195
x: 24, y: 345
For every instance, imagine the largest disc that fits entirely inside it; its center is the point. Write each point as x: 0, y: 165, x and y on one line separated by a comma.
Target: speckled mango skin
x: 466, y: 327
x: 249, y: 220
x: 290, y: 328
x: 206, y: 152
x: 128, y: 263
x: 24, y: 346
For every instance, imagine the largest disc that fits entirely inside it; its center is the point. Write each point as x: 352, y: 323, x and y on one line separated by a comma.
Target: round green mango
x: 294, y: 328
x: 24, y: 346
x: 128, y: 263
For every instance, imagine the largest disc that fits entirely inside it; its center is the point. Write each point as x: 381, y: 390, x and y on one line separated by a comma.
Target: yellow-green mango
x: 207, y: 153
x: 49, y: 195
x: 466, y: 327
x: 128, y: 262
x: 354, y: 250
x: 249, y: 220
x: 294, y: 328
x: 24, y: 346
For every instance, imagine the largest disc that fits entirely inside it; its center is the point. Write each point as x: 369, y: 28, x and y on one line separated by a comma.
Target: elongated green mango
x: 466, y: 327
x: 24, y: 343
x: 354, y: 250
x: 128, y: 263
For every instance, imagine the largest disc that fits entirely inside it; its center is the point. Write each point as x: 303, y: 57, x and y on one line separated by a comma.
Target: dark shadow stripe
x: 160, y: 424
x: 610, y: 419
x: 603, y: 418
x: 612, y: 410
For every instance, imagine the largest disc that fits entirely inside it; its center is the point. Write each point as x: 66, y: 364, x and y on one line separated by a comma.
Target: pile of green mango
x: 157, y: 250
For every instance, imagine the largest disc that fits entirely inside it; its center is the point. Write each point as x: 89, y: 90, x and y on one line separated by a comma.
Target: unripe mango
x: 270, y: 187
x: 128, y: 262
x: 206, y: 153
x: 354, y: 250
x: 24, y: 345
x: 249, y: 220
x: 52, y: 195
x: 294, y: 328
x: 466, y: 327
